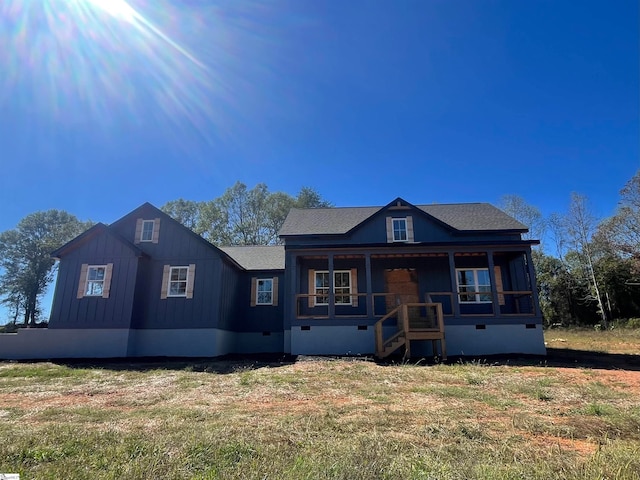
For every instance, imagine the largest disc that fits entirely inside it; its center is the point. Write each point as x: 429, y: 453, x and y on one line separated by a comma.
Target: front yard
x: 316, y: 418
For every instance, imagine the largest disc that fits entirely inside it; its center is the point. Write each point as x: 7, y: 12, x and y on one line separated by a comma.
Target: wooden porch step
x: 391, y: 347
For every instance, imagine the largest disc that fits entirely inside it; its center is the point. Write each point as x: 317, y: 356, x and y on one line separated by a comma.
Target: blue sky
x: 106, y: 104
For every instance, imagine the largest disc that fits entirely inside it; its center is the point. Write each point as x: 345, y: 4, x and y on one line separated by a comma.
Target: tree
x: 527, y: 214
x: 187, y: 212
x: 622, y: 231
x: 25, y: 258
x: 580, y: 225
x: 242, y: 216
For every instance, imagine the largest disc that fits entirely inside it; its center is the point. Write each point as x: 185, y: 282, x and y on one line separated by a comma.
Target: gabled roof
x: 257, y: 257
x: 188, y: 231
x: 97, y: 229
x: 463, y: 217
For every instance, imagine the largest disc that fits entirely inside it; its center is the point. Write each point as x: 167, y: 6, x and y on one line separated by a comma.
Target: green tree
x: 242, y: 216
x: 25, y: 259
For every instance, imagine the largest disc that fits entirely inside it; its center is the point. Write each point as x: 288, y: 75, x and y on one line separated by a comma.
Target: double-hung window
x: 264, y: 291
x: 399, y: 229
x: 474, y: 285
x: 341, y: 287
x: 95, y: 281
x: 177, y: 281
x: 147, y: 231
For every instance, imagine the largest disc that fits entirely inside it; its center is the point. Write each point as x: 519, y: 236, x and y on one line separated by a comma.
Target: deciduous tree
x: 25, y: 258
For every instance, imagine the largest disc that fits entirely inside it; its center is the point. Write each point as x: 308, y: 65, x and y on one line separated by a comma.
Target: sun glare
x: 189, y: 66
x: 119, y: 9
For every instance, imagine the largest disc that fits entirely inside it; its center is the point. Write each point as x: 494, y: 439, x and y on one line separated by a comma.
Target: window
x: 178, y: 281
x: 341, y: 287
x: 95, y: 280
x: 265, y: 291
x: 400, y: 229
x: 147, y: 231
x: 474, y: 285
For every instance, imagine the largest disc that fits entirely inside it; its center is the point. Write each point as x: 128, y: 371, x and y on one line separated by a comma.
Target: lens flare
x: 139, y: 63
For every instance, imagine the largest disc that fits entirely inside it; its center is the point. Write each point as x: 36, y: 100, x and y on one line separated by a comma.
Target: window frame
x: 477, y: 293
x: 90, y: 282
x: 151, y: 232
x: 170, y: 280
x: 405, y: 230
x: 258, y: 291
x: 336, y: 294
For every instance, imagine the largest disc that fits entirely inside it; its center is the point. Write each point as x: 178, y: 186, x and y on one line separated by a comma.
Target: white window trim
x: 186, y: 281
x: 146, y: 222
x: 88, y: 281
x: 270, y: 291
x: 315, y: 288
x: 393, y: 230
x: 476, y: 293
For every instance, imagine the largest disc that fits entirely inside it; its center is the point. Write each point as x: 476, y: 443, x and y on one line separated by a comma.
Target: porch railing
x: 513, y: 302
x: 510, y: 302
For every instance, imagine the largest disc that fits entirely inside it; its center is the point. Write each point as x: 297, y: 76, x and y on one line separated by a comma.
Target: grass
x: 615, y: 341
x: 321, y: 419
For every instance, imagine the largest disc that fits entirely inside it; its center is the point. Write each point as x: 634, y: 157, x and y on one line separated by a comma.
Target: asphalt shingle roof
x: 459, y: 216
x: 257, y: 257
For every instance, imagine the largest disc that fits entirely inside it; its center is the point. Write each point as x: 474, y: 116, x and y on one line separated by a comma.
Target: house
x: 429, y: 280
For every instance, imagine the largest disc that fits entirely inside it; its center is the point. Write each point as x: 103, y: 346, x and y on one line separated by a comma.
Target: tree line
x: 588, y: 270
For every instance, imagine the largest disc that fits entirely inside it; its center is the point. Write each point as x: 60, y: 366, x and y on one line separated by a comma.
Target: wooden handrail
x: 405, y: 330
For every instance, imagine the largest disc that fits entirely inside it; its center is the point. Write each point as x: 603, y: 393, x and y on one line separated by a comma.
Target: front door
x: 402, y: 285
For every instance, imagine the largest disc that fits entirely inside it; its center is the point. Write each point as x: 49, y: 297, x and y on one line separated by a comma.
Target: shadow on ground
x: 562, y: 357
x: 556, y: 357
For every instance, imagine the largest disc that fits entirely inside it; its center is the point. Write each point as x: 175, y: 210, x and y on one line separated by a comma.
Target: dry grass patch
x: 318, y: 419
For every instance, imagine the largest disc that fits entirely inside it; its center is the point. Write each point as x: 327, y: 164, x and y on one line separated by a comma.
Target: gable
x: 100, y: 235
x: 166, y: 237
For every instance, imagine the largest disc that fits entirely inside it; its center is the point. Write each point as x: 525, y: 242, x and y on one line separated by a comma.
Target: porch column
x: 369, y: 299
x: 533, y: 284
x: 294, y: 287
x: 455, y: 305
x: 492, y: 280
x: 332, y: 297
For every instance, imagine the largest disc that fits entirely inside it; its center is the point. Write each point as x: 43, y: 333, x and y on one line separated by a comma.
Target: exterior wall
x: 203, y: 342
x: 68, y: 311
x: 332, y: 340
x: 44, y: 343
x: 176, y: 246
x: 258, y: 342
x: 201, y: 311
x: 259, y: 318
x: 494, y: 339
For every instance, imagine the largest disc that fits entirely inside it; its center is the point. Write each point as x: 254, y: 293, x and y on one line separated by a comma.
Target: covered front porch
x: 385, y: 300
